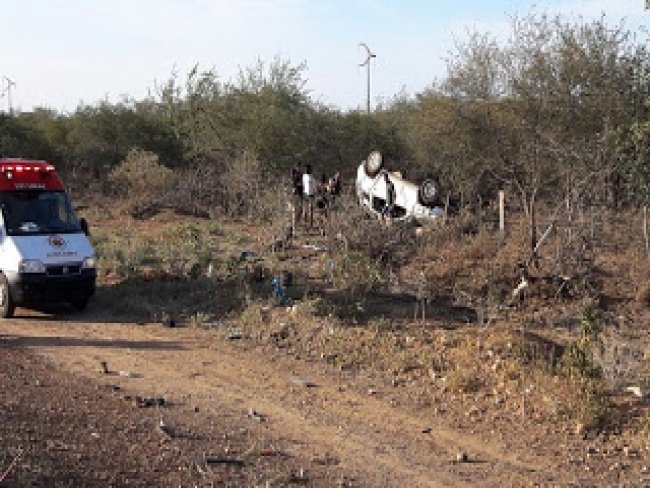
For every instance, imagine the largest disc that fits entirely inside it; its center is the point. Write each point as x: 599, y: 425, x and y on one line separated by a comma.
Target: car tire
x: 373, y: 164
x: 7, y: 305
x: 428, y: 192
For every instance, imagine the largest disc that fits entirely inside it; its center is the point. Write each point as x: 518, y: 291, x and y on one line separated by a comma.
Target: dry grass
x: 532, y: 357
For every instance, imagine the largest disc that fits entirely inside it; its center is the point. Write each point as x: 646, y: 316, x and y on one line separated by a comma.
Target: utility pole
x: 366, y: 63
x: 10, y: 84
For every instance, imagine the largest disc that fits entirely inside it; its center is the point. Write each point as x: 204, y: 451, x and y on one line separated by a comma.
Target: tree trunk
x: 532, y: 219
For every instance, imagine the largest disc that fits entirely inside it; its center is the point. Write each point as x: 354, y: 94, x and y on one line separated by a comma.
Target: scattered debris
x: 315, y: 247
x: 257, y: 274
x: 168, y: 321
x: 214, y: 325
x: 278, y: 245
x: 268, y: 452
x: 282, y: 333
x: 245, y: 255
x: 630, y: 452
x: 300, y: 477
x: 209, y: 460
x: 148, y: 402
x: 128, y: 374
x: 103, y: 367
x: 165, y: 429
x: 303, y: 383
x: 255, y: 415
x: 636, y: 391
x: 279, y: 292
x: 327, y: 460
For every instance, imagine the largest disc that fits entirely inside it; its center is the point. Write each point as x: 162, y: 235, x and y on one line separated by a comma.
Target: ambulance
x: 45, y: 254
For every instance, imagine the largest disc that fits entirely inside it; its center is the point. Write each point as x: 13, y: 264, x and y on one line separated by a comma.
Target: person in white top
x: 309, y: 189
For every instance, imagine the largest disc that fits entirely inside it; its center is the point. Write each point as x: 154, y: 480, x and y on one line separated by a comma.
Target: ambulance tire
x: 7, y: 305
x: 80, y: 304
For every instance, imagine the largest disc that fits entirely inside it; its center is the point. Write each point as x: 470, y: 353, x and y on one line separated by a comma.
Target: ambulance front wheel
x: 7, y: 305
x: 80, y: 304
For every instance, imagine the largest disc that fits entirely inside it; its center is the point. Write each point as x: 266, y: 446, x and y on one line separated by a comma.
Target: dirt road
x: 238, y: 413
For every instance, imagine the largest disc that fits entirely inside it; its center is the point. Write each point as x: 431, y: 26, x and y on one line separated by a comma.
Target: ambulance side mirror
x: 83, y: 223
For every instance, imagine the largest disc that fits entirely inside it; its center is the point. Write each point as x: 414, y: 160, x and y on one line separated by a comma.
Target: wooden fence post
x: 645, y: 230
x: 502, y: 212
x: 446, y: 214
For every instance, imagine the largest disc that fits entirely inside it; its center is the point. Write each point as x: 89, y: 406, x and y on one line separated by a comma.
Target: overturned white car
x: 411, y: 201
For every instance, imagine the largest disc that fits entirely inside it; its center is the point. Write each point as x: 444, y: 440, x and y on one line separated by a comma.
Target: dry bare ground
x: 331, y: 426
x: 239, y: 415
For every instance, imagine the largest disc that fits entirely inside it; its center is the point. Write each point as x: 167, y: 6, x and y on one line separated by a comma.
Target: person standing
x: 335, y: 184
x: 334, y: 191
x: 309, y: 191
x: 296, y: 182
x: 322, y: 200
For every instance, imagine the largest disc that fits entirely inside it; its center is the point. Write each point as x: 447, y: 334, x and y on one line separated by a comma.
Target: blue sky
x: 63, y: 52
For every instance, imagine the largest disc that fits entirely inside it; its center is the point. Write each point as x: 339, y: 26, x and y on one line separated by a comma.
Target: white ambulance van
x: 45, y: 254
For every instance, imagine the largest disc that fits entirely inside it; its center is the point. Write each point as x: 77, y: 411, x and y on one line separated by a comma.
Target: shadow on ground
x: 44, y: 341
x: 398, y: 306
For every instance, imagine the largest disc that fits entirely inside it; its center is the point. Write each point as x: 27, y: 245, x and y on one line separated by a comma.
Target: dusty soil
x: 238, y: 414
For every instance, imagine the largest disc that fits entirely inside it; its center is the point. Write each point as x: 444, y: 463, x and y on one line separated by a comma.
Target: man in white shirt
x: 309, y: 189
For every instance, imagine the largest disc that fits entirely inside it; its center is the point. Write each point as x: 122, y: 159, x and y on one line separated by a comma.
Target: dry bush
x: 234, y: 187
x: 621, y: 360
x: 143, y: 185
x: 589, y: 405
x: 237, y: 187
x: 477, y: 270
x: 643, y: 294
x: 482, y: 268
x: 353, y: 229
x: 199, y: 191
x: 364, y: 251
x: 242, y: 183
x: 465, y: 380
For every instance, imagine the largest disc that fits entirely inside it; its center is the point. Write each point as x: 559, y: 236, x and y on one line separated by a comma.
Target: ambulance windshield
x: 37, y: 212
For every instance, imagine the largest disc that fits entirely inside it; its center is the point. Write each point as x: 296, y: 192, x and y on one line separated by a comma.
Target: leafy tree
x: 544, y: 107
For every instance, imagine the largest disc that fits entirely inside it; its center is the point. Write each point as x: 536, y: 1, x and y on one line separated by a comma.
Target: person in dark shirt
x: 297, y: 189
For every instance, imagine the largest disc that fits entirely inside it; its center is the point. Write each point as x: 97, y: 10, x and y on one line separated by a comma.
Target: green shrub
x: 578, y: 362
x: 590, y: 407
